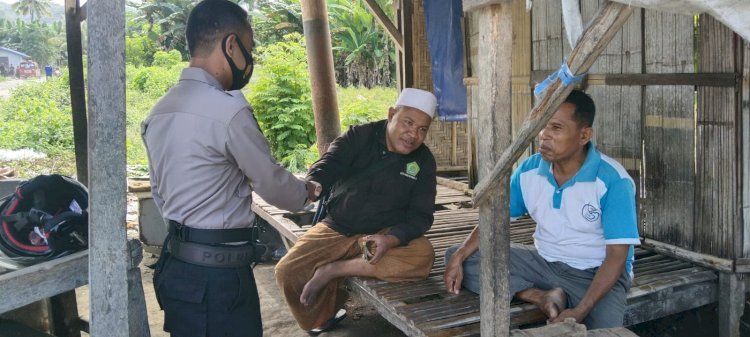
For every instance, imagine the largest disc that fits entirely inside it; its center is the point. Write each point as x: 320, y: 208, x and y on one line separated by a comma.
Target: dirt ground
x: 362, y: 319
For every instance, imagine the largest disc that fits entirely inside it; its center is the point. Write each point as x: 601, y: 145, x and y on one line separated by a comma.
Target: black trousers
x: 203, y: 301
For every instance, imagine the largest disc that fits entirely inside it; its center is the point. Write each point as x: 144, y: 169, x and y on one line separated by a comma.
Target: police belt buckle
x: 213, y: 256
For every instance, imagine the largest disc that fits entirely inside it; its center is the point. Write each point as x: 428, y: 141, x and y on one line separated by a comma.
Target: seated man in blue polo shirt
x: 584, y: 205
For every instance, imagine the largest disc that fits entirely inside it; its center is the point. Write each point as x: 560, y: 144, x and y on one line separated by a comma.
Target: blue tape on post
x: 563, y: 74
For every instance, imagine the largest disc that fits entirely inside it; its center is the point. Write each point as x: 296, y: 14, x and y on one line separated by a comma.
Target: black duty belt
x: 214, y: 256
x: 211, y: 236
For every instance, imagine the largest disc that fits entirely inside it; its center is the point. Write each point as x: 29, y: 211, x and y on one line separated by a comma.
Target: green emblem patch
x: 412, y: 168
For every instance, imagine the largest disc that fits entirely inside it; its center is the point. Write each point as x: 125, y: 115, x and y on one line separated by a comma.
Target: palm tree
x: 170, y: 19
x: 33, y: 8
x: 363, y: 54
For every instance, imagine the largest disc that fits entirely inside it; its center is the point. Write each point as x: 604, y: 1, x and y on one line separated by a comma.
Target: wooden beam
x: 387, y: 24
x: 731, y: 304
x: 108, y: 265
x: 745, y: 146
x: 705, y: 260
x: 407, y: 15
x: 494, y: 135
x: 694, y: 79
x: 43, y: 280
x: 322, y: 76
x: 600, y: 31
x: 571, y: 11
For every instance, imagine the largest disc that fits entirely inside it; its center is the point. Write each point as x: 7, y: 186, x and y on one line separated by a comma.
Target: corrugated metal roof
x: 14, y: 52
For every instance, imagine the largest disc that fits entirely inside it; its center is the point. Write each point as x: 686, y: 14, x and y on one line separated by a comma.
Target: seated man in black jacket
x: 381, y: 204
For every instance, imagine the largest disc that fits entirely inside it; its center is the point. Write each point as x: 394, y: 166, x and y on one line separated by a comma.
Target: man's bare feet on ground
x: 316, y: 283
x: 553, y: 303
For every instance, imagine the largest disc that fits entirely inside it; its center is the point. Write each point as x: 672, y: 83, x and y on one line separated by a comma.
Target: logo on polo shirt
x: 590, y: 213
x: 412, y: 169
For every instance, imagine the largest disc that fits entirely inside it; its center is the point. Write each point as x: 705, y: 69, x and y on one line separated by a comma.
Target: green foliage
x: 363, y: 53
x: 139, y: 50
x: 300, y: 158
x: 281, y: 96
x: 33, y: 8
x: 39, y: 40
x: 164, y: 22
x: 167, y: 59
x: 273, y: 19
x: 359, y: 105
x: 38, y: 116
x: 154, y: 81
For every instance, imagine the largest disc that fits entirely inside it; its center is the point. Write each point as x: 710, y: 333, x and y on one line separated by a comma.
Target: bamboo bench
x: 662, y: 285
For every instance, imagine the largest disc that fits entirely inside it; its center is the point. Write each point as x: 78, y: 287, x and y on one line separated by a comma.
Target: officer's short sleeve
x: 249, y: 149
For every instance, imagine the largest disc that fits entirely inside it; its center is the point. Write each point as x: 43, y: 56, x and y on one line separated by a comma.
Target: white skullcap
x: 418, y: 99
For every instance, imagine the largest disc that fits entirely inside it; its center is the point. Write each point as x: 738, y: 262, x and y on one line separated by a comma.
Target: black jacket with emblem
x: 400, y: 196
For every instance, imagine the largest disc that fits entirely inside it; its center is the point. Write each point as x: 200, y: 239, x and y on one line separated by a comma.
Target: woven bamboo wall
x: 446, y: 140
x: 682, y: 144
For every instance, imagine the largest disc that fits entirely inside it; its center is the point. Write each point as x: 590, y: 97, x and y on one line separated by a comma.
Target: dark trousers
x: 530, y: 270
x: 204, y: 301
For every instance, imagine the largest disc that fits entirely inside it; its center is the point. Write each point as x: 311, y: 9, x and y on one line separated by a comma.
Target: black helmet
x: 45, y: 218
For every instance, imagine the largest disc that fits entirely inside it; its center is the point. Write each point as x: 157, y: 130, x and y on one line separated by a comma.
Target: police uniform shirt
x: 401, y: 195
x: 207, y: 154
x: 576, y: 221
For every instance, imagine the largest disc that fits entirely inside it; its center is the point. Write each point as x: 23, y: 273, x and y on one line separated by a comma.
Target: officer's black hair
x: 585, y: 108
x: 210, y: 21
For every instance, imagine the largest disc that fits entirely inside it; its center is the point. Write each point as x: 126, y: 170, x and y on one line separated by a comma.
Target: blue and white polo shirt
x: 576, y: 221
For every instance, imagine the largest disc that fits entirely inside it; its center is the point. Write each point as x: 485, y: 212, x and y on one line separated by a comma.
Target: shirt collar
x: 200, y: 75
x: 587, y: 172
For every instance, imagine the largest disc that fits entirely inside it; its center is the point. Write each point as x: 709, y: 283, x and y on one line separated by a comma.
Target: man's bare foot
x: 553, y: 303
x: 316, y: 283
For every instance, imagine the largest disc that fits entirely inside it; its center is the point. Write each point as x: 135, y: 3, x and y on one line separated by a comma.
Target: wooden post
x: 731, y: 304
x: 605, y: 25
x: 387, y: 24
x: 77, y: 89
x: 494, y: 134
x: 405, y: 65
x: 322, y: 78
x: 745, y: 129
x: 108, y: 262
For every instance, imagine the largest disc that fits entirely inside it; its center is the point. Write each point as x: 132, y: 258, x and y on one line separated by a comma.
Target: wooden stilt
x: 731, y: 304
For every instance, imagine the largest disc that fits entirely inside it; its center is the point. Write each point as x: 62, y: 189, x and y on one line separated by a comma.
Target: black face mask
x: 239, y: 80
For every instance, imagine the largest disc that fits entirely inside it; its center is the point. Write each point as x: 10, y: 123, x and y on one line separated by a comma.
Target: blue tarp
x: 446, y: 43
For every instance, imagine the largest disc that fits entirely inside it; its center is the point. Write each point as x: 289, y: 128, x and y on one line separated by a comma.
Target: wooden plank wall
x: 668, y: 139
x: 617, y: 123
x: 717, y: 225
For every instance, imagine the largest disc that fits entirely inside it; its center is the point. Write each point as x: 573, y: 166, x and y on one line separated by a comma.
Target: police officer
x: 206, y: 156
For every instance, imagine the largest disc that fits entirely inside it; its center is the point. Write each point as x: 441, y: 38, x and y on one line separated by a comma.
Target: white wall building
x: 9, y: 59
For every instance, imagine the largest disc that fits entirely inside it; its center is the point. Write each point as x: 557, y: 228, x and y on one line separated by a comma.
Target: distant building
x: 10, y: 57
